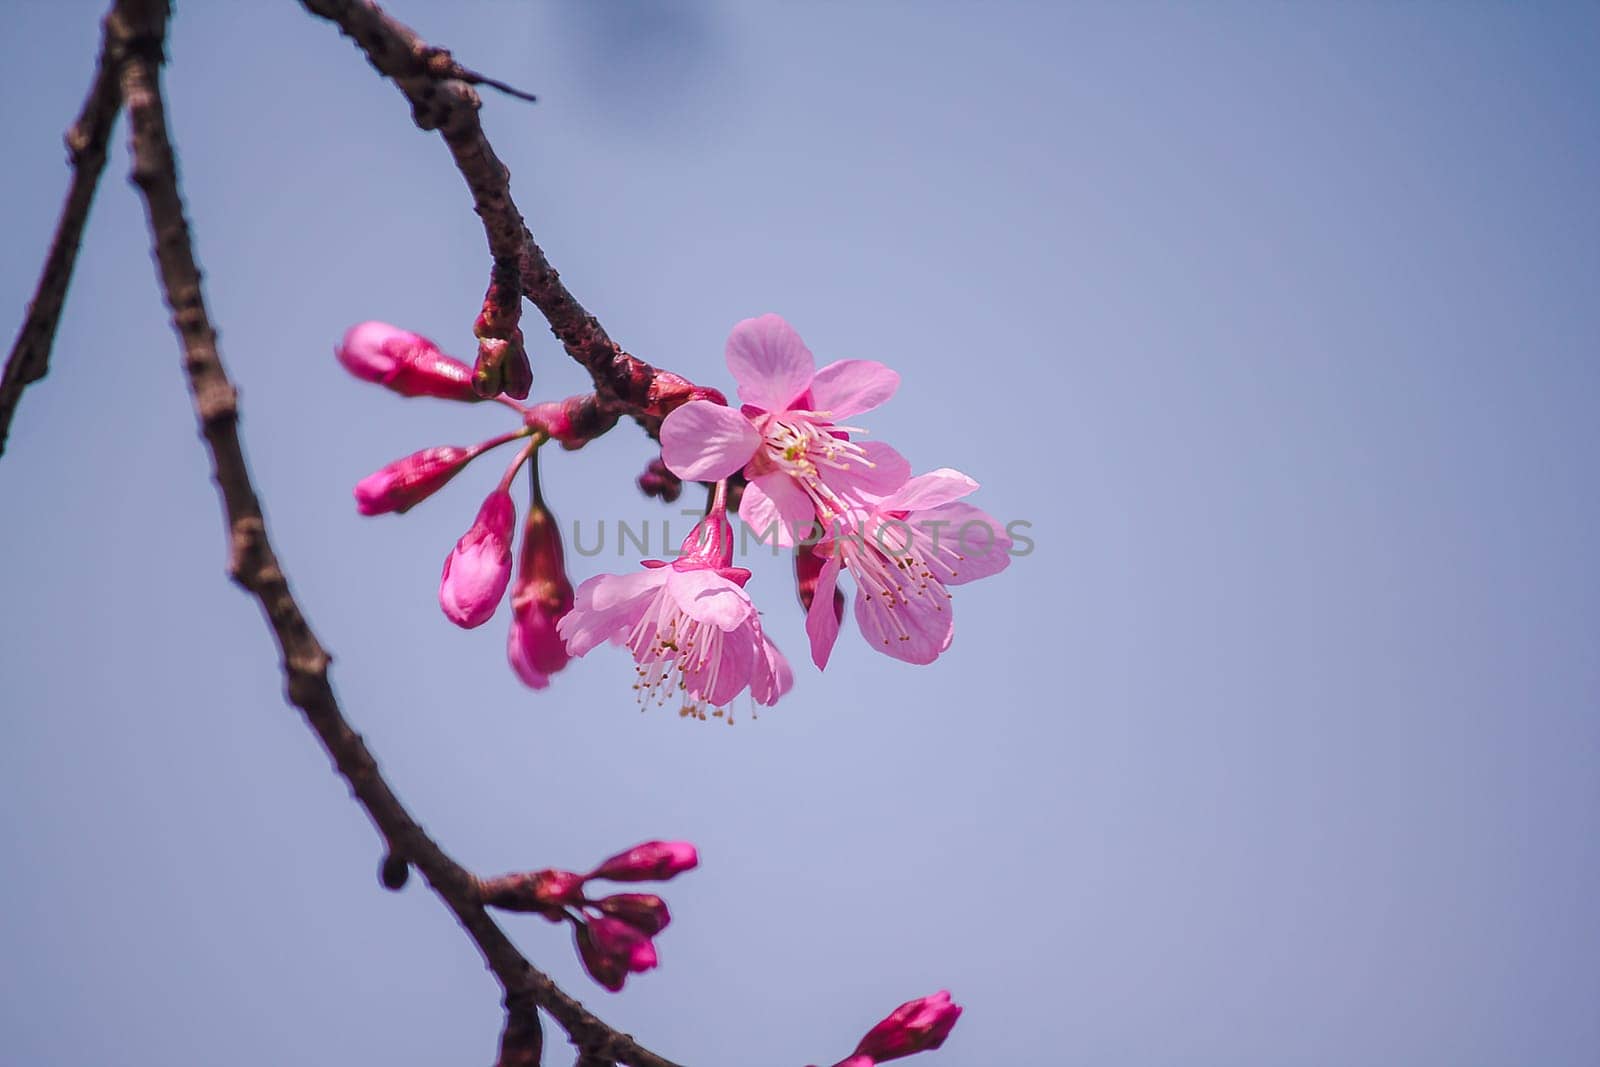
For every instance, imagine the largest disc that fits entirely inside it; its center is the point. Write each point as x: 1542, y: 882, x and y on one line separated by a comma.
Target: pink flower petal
x: 606, y: 606
x: 822, y: 625
x: 774, y: 506
x: 914, y: 631
x: 770, y: 362
x: 717, y: 675
x: 929, y: 491
x: 772, y: 676
x: 703, y: 441
x: 706, y: 596
x: 962, y: 543
x: 849, y: 387
x: 884, y: 471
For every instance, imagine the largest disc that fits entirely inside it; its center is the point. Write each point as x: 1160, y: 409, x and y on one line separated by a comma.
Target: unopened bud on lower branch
x: 915, y: 1026
x: 653, y: 861
x: 477, y: 572
x: 539, y: 600
x: 611, y: 950
x: 645, y: 912
x: 407, y: 482
x: 405, y: 362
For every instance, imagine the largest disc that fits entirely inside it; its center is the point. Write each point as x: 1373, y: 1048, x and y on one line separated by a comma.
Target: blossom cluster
x: 808, y: 480
x: 613, y: 933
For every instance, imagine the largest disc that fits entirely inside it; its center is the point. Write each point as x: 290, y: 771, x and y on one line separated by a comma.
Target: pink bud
x: 611, y: 950
x: 477, y: 572
x: 407, y: 363
x: 621, y: 940
x: 541, y: 597
x: 669, y: 391
x: 650, y: 862
x: 915, y: 1026
x: 645, y: 912
x: 407, y: 482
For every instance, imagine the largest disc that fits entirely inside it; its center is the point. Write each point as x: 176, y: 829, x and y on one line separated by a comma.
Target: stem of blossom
x: 516, y: 464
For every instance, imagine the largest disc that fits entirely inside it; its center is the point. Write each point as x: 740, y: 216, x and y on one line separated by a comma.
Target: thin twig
x: 86, y: 151
x: 441, y: 100
x: 254, y: 566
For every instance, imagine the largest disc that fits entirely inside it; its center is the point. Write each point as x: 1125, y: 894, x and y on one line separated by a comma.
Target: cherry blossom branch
x: 254, y: 566
x: 442, y: 100
x: 86, y: 151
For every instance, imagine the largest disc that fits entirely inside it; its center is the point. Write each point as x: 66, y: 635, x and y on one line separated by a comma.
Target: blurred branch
x: 86, y: 152
x: 254, y: 566
x: 441, y: 99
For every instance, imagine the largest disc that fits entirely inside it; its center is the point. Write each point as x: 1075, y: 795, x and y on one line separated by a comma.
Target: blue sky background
x: 1278, y: 322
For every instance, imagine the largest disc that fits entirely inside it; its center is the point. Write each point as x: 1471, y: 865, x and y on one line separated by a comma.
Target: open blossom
x: 405, y: 362
x: 788, y: 437
x: 689, y: 623
x: 905, y: 550
x: 478, y: 570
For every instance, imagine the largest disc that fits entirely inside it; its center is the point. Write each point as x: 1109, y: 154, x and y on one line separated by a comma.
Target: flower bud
x: 405, y: 362
x: 658, y: 481
x: 573, y: 422
x: 477, y: 572
x: 611, y: 950
x: 645, y: 912
x: 407, y: 482
x: 621, y: 940
x: 502, y: 365
x: 915, y: 1026
x: 669, y: 391
x: 541, y: 597
x: 653, y: 861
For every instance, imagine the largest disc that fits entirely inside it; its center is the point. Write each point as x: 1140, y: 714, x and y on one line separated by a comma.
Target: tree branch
x: 442, y: 100
x: 254, y: 566
x: 86, y: 152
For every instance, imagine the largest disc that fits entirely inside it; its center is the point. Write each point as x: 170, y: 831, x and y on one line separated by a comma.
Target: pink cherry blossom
x: 690, y: 625
x: 789, y: 437
x: 478, y: 570
x: 905, y: 550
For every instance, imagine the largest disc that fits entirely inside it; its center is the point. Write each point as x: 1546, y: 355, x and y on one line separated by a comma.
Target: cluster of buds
x: 478, y: 571
x: 919, y: 1025
x: 614, y: 933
